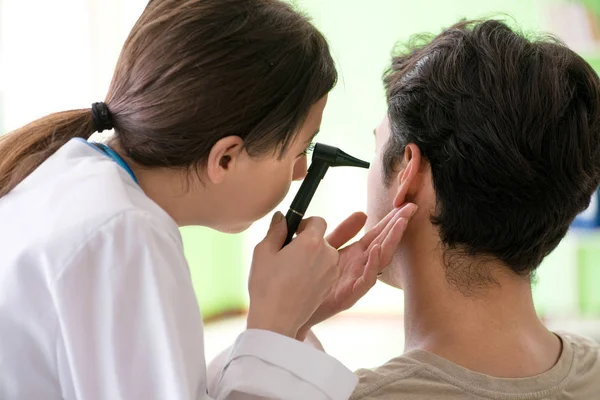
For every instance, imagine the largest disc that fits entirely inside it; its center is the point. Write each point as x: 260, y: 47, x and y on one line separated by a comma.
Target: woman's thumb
x: 277, y: 231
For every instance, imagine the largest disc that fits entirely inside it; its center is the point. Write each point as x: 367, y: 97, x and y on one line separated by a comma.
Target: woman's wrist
x: 313, y: 340
x: 272, y: 326
x: 302, y: 333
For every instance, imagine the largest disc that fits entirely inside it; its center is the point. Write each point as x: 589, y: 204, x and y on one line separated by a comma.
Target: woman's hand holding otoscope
x: 313, y: 277
x: 310, y: 260
x: 359, y: 263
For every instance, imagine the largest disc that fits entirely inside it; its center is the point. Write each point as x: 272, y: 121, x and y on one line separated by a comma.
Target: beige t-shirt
x: 420, y: 375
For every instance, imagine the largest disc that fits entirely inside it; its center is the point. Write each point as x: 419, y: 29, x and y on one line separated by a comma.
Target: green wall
x: 217, y: 268
x: 362, y: 35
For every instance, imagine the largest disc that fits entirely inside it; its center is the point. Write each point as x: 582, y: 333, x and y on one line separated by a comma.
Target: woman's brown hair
x: 190, y: 73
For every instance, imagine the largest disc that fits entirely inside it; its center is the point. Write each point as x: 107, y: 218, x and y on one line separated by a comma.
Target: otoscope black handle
x: 293, y: 220
x: 315, y: 173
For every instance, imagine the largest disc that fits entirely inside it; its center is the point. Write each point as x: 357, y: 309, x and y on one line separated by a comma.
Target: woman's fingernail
x: 277, y: 217
x: 408, y: 210
x: 403, y: 222
x: 414, y: 211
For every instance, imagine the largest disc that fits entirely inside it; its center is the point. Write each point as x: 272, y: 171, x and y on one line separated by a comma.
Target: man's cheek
x: 372, y: 217
x: 377, y: 209
x: 370, y: 223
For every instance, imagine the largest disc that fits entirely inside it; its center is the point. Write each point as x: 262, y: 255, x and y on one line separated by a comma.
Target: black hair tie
x: 101, y: 117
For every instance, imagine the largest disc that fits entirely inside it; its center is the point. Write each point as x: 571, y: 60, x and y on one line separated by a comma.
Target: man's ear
x: 222, y: 158
x: 409, y: 179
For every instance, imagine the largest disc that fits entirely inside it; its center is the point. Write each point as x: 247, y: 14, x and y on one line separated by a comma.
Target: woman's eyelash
x: 309, y: 149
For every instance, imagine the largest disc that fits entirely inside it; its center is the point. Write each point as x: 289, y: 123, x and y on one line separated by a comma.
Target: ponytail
x: 26, y: 148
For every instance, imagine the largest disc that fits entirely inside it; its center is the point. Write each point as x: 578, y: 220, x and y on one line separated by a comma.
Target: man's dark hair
x: 511, y: 128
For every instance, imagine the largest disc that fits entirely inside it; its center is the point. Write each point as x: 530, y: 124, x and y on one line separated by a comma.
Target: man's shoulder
x: 404, y: 375
x: 580, y: 342
x: 586, y: 352
x: 420, y: 375
x: 396, y: 368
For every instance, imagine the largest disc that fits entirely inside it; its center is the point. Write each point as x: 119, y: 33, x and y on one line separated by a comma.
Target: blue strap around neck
x: 116, y: 158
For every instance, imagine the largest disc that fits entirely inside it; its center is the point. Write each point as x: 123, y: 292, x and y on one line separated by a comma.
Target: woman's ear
x: 409, y: 178
x: 222, y: 158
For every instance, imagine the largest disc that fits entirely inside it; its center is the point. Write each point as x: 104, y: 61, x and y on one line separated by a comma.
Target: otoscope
x: 323, y: 157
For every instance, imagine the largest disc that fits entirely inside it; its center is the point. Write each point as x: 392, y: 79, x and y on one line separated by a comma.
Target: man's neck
x: 492, y: 330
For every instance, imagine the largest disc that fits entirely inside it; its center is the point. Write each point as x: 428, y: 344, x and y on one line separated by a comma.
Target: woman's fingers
x: 391, y: 243
x: 345, y: 231
x: 407, y: 211
x: 366, y: 240
x: 369, y: 276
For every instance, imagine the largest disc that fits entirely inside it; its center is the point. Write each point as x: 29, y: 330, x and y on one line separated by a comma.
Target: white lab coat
x: 96, y: 300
